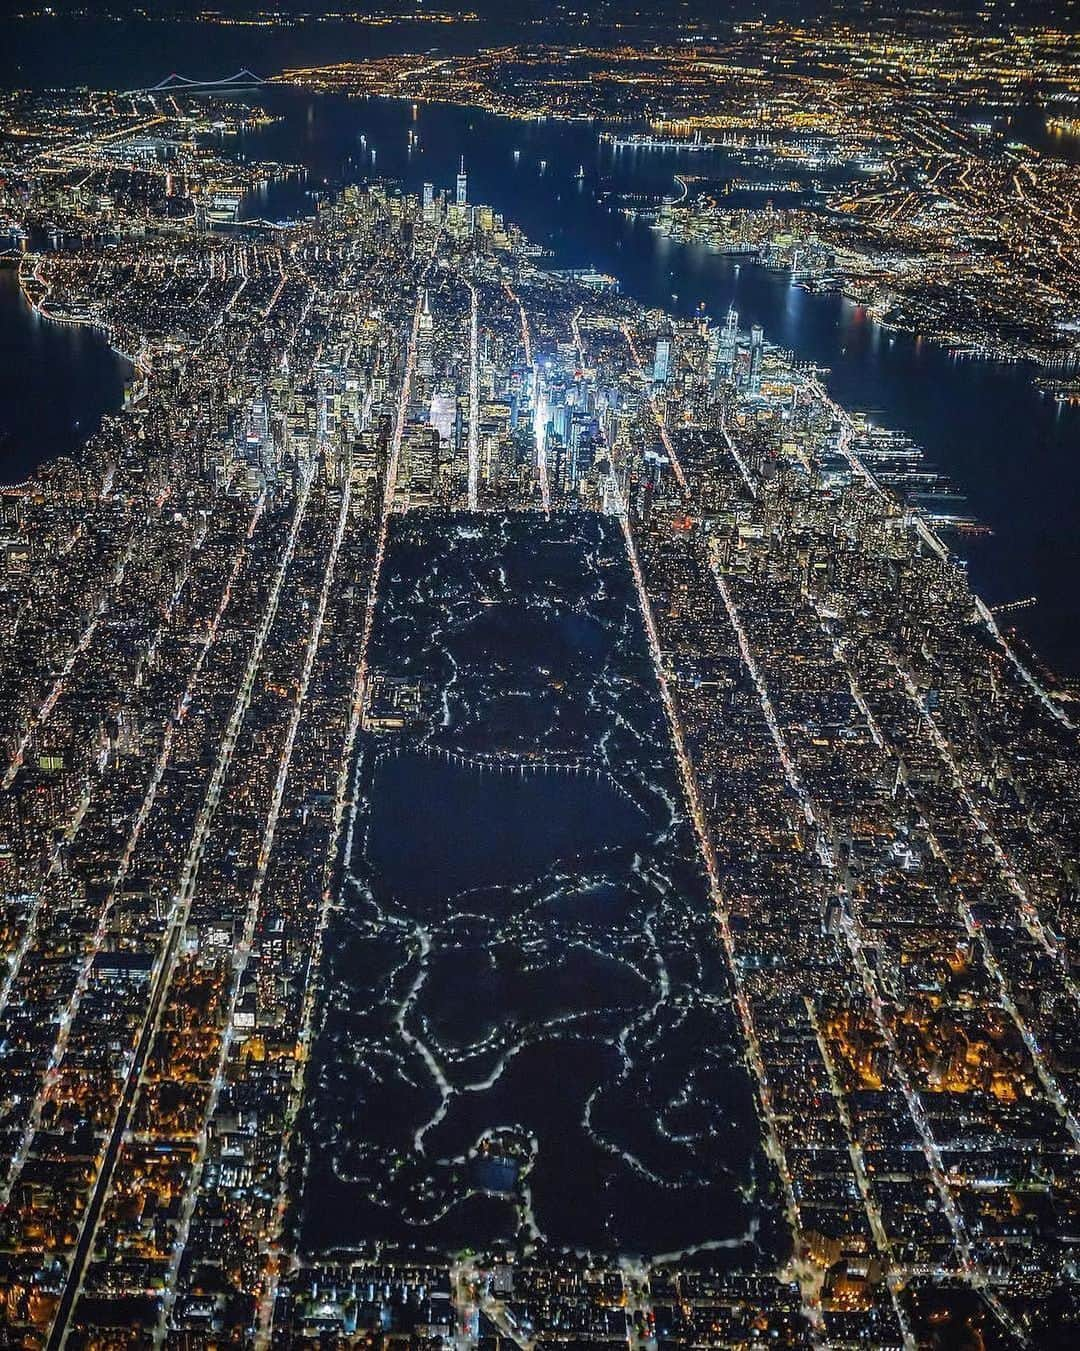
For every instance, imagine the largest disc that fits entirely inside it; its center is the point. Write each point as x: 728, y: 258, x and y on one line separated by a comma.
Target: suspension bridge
x: 184, y: 84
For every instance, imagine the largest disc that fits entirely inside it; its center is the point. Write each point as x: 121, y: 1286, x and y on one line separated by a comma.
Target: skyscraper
x: 462, y: 185
x: 443, y: 414
x: 661, y: 361
x: 425, y: 341
x: 722, y: 356
x: 757, y: 346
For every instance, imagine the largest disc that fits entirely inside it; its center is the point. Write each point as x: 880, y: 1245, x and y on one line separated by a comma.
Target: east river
x: 1013, y: 452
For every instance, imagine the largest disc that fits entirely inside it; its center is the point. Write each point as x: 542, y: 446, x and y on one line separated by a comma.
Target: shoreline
x: 932, y: 540
x: 96, y: 325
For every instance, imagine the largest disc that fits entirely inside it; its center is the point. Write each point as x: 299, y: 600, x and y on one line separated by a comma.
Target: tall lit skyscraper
x: 722, y: 355
x: 425, y: 340
x: 757, y: 345
x: 443, y: 414
x: 662, y: 361
x: 462, y: 185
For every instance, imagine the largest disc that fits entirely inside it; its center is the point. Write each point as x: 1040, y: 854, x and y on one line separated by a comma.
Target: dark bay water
x: 1014, y: 452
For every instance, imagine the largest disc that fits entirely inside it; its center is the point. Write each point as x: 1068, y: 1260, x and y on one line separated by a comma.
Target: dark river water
x: 56, y: 382
x: 1013, y: 452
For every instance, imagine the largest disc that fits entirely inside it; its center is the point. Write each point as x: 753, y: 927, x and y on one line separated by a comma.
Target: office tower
x: 757, y: 345
x: 429, y: 203
x: 425, y: 341
x: 723, y: 362
x: 662, y: 361
x: 462, y: 185
x: 256, y: 444
x: 712, y: 352
x: 443, y: 414
x: 420, y: 462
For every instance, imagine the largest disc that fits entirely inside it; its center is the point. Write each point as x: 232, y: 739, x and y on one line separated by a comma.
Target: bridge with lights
x: 183, y: 84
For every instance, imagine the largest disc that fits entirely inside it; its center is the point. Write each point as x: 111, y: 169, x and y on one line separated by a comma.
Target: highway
x: 931, y: 540
x: 661, y: 421
x: 539, y: 405
x: 474, y: 401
